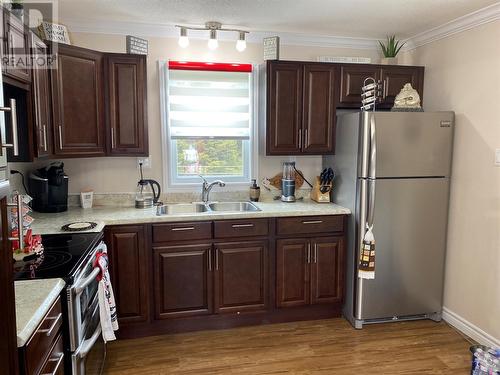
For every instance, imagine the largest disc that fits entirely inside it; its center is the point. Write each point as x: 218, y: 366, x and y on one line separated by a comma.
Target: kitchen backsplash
x: 127, y: 199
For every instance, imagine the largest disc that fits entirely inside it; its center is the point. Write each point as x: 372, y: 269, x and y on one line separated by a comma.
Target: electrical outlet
x: 497, y: 157
x: 146, y: 163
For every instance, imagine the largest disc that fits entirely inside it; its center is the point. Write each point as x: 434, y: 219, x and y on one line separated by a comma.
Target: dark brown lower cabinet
x: 309, y: 271
x: 226, y: 273
x: 241, y: 276
x: 292, y: 272
x: 129, y: 266
x: 183, y: 280
x: 327, y: 270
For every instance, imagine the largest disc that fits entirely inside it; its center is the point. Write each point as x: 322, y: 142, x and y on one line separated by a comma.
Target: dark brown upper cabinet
x: 284, y: 108
x: 16, y: 45
x: 78, y: 103
x: 318, y: 122
x: 42, y: 122
x: 392, y: 77
x: 352, y: 78
x: 395, y: 77
x: 301, y: 101
x: 126, y: 104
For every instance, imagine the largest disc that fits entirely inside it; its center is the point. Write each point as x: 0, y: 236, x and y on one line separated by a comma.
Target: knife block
x: 317, y: 195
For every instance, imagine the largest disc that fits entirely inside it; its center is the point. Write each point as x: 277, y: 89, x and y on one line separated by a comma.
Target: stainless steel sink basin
x: 233, y: 207
x: 181, y: 208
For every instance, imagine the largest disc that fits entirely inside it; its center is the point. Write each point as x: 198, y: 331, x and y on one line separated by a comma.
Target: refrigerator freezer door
x: 410, y: 235
x: 409, y: 144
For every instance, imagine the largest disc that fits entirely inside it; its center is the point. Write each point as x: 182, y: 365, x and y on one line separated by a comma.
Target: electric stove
x: 63, y: 255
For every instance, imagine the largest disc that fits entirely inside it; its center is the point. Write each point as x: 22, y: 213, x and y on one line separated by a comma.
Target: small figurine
x: 407, y: 100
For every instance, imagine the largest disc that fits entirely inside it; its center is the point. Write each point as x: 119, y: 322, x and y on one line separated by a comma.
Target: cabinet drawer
x: 310, y: 224
x: 54, y: 364
x: 241, y: 228
x: 182, y: 231
x: 43, y: 339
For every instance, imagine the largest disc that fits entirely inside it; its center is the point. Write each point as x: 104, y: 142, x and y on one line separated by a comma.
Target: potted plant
x: 390, y: 50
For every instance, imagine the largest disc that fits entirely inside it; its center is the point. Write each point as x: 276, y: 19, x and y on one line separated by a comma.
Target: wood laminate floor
x: 312, y: 347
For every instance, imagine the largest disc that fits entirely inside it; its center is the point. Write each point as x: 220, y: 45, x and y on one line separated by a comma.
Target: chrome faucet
x: 206, y: 188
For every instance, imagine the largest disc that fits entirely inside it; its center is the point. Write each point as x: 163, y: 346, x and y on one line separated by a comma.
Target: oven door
x: 82, y: 297
x: 88, y: 358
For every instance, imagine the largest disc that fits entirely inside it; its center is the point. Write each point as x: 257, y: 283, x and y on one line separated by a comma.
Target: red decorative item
x: 209, y: 66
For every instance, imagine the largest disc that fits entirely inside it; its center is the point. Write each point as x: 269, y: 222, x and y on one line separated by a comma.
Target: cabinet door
x: 327, y: 270
x: 284, y: 108
x: 292, y: 273
x: 352, y: 79
x: 395, y: 77
x: 129, y: 272
x: 16, y: 48
x: 126, y: 83
x: 78, y: 102
x: 183, y: 280
x: 241, y: 276
x: 319, y: 108
x: 41, y: 100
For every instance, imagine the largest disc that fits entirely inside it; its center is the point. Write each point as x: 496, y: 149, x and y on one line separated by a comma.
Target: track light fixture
x: 213, y: 28
x: 183, y: 38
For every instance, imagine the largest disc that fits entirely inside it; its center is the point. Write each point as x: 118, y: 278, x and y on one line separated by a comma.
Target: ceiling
x: 346, y: 18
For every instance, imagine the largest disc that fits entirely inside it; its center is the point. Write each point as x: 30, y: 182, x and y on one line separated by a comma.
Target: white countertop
x: 33, y: 300
x: 51, y: 223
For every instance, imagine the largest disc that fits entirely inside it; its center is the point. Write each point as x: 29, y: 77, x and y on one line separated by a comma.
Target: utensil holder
x: 317, y: 195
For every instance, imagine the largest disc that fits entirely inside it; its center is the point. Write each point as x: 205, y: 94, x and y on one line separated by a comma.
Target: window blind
x: 209, y: 104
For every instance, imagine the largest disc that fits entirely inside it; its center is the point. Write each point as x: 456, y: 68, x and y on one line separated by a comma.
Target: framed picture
x: 272, y: 48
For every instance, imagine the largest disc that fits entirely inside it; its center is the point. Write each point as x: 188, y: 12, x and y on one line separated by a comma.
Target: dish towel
x: 107, y: 305
x: 366, y: 268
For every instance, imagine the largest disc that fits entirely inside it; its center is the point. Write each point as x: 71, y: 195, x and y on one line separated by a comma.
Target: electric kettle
x: 146, y: 195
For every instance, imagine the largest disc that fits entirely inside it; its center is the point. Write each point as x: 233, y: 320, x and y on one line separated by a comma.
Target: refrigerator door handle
x: 372, y: 169
x: 371, y: 203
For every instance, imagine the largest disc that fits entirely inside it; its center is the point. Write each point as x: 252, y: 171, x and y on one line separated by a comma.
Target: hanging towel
x: 366, y: 268
x: 107, y: 305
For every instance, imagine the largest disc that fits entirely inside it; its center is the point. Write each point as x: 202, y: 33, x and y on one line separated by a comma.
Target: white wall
x: 463, y: 74
x: 106, y: 175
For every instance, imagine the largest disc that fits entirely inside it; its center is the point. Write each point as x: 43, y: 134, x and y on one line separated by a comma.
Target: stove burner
x: 62, y: 241
x: 54, y: 259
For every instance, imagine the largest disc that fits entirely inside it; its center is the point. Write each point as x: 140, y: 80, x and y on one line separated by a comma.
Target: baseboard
x: 469, y: 329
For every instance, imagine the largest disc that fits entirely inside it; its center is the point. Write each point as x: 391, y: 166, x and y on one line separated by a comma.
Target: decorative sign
x: 137, y: 45
x: 346, y: 60
x: 272, y: 48
x: 54, y: 32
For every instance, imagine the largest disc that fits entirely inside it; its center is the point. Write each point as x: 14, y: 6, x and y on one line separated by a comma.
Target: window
x: 209, y: 120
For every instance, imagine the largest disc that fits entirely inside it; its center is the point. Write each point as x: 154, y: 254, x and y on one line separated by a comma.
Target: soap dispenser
x: 254, y: 191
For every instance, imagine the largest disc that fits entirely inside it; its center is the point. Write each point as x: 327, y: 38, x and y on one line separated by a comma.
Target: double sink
x: 200, y: 207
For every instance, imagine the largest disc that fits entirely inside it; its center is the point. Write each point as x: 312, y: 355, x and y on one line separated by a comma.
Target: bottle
x: 254, y: 191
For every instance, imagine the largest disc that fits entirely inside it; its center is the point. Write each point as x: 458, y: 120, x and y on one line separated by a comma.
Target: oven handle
x: 89, y: 343
x: 81, y: 286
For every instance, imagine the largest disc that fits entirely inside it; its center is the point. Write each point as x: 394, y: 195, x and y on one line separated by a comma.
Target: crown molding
x: 467, y: 22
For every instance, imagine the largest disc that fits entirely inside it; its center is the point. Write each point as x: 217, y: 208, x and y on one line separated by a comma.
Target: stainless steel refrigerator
x: 393, y: 172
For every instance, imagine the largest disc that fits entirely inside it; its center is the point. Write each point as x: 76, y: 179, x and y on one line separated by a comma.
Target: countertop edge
x: 27, y: 331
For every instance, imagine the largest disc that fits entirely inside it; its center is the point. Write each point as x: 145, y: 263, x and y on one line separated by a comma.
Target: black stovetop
x: 62, y: 256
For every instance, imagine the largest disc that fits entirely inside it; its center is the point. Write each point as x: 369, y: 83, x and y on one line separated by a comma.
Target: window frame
x: 167, y: 147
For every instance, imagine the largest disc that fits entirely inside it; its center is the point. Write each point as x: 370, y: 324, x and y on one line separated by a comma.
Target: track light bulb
x: 241, y: 44
x: 183, y: 38
x: 212, y: 42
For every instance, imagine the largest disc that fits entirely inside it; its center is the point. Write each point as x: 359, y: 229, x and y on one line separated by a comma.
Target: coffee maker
x: 288, y: 182
x: 49, y: 188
